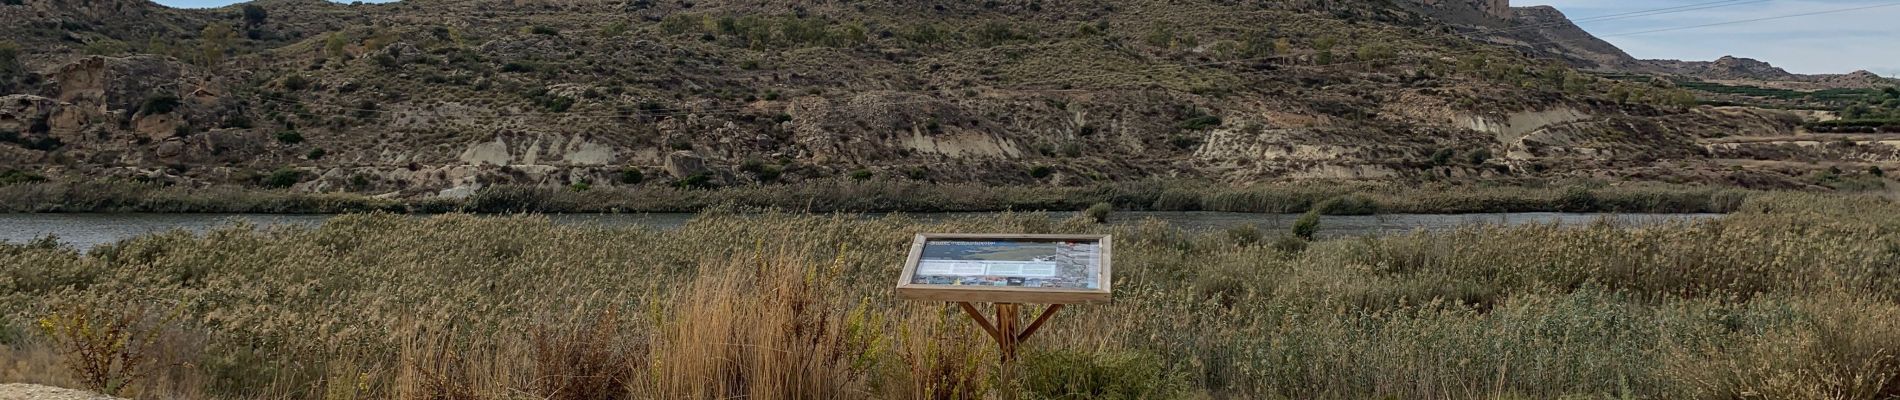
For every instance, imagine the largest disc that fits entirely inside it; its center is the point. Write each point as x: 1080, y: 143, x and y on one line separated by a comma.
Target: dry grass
x: 1795, y: 296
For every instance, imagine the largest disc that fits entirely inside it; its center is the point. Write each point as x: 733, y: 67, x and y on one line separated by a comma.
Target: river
x: 84, y: 231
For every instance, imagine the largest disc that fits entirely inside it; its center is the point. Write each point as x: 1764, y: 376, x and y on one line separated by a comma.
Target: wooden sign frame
x: 1005, y: 294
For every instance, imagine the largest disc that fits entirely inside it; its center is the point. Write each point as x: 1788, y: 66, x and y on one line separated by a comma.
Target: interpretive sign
x: 1007, y: 268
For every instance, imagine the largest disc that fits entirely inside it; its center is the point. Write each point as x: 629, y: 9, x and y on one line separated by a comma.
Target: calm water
x: 87, y: 230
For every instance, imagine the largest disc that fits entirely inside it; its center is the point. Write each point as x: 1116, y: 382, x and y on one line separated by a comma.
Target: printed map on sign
x: 1036, y: 264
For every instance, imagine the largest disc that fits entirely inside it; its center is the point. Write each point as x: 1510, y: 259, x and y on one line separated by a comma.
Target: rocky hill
x: 1547, y: 32
x: 442, y: 97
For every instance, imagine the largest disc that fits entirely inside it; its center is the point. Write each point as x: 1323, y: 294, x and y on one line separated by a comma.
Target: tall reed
x: 1793, y: 296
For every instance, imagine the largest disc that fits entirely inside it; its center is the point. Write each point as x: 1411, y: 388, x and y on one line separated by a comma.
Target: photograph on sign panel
x: 1033, y: 264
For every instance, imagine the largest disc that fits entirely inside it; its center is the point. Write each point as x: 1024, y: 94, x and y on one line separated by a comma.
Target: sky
x: 1819, y: 44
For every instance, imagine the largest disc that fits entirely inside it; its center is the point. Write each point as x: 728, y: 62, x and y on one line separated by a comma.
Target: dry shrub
x: 1849, y: 349
x: 761, y: 327
x: 107, y: 348
x: 596, y: 360
x: 436, y: 368
x: 939, y: 358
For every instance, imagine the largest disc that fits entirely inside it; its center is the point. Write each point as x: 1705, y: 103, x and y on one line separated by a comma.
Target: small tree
x: 9, y: 57
x: 333, y: 46
x: 254, y: 15
x: 1308, y: 225
x: 215, y: 41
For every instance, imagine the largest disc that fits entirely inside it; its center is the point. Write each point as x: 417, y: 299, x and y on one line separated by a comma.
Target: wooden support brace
x: 1033, y: 326
x: 981, y: 320
x: 1007, y: 328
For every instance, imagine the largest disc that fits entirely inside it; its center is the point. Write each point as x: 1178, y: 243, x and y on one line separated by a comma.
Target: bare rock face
x: 684, y: 163
x: 156, y: 127
x: 19, y: 112
x: 83, y: 80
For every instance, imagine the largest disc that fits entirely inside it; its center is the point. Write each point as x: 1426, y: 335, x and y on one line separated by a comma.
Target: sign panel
x: 1007, y: 268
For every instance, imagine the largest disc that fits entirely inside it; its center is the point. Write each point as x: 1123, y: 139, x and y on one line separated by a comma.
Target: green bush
x: 1184, y: 142
x: 1200, y: 122
x: 9, y: 54
x: 511, y: 199
x: 14, y: 176
x: 316, y: 154
x: 1578, y: 199
x: 282, y: 178
x: 1099, y: 212
x: 289, y: 137
x: 1478, y: 157
x: 1443, y: 157
x: 158, y: 104
x: 862, y: 174
x: 1307, y: 226
x: 1040, y: 171
x: 1074, y: 374
x: 696, y: 181
x: 1351, y: 204
x: 759, y: 169
x: 631, y: 176
x: 516, y: 66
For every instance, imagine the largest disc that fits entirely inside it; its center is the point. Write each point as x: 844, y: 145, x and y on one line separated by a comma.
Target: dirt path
x: 24, y: 391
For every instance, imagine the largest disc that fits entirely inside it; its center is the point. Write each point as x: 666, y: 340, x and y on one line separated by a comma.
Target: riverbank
x: 83, y: 231
x: 1790, y: 296
x: 1334, y: 198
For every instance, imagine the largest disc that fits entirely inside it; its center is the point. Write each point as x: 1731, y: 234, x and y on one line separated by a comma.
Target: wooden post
x: 1006, y: 325
x: 1007, y: 328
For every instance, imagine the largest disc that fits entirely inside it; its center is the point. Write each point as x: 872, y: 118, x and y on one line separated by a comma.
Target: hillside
x: 444, y: 97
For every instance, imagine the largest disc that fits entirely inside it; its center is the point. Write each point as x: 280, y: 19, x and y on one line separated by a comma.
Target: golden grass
x: 1795, y: 296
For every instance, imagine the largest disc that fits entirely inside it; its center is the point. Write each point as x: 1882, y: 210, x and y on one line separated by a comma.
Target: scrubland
x: 1791, y: 296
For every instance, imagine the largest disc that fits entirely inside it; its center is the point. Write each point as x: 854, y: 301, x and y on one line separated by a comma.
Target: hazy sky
x: 1829, y: 43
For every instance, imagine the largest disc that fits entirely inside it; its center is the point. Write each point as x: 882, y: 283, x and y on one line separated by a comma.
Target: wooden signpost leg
x: 1006, y: 329
x: 1006, y: 325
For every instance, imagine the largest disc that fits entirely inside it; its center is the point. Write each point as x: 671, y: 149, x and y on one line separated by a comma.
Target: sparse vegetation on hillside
x: 1096, y: 92
x: 1790, y: 298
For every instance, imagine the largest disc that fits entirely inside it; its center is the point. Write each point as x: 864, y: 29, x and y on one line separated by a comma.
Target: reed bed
x: 1792, y: 296
x: 844, y: 195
